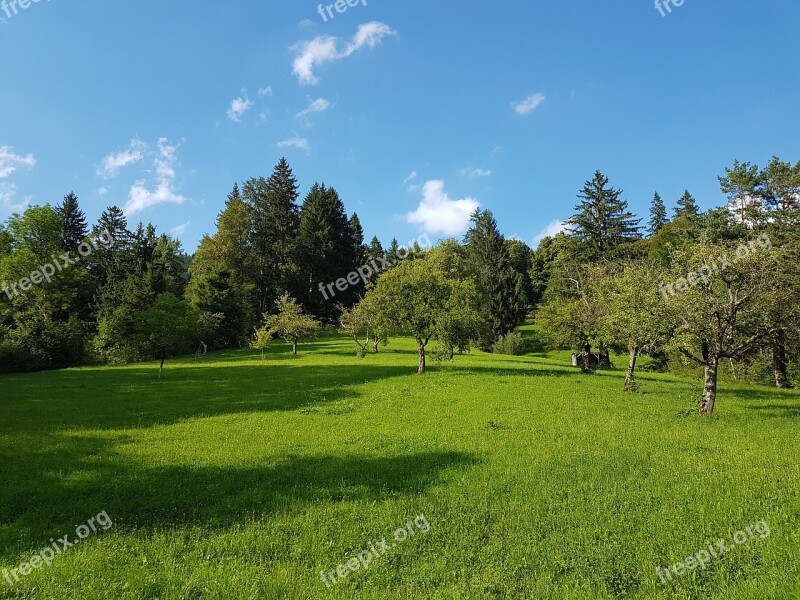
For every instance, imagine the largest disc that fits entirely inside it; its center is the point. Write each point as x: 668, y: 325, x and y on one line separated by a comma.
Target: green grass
x: 237, y: 478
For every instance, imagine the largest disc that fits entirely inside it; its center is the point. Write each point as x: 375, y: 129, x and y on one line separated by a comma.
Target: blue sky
x: 415, y: 111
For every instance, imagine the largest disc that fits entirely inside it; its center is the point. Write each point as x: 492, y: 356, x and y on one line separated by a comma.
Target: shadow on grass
x: 782, y: 411
x: 46, y: 504
x: 117, y: 398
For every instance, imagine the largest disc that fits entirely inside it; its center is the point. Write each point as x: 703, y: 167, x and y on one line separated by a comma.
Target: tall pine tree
x: 500, y: 286
x: 325, y: 250
x: 603, y: 221
x: 274, y: 222
x: 687, y: 207
x: 73, y: 222
x: 658, y: 215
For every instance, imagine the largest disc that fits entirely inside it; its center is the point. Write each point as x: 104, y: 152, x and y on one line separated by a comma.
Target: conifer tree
x: 73, y: 222
x: 603, y: 221
x: 658, y: 215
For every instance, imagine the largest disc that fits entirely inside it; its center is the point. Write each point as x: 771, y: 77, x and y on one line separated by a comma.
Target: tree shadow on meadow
x: 155, y: 498
x: 133, y: 397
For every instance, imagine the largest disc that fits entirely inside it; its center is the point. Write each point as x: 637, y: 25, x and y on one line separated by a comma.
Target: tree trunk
x: 421, y: 346
x: 630, y: 378
x: 779, y: 365
x: 605, y: 357
x: 294, y: 346
x: 161, y: 367
x: 710, y: 387
x: 587, y: 359
x: 375, y: 343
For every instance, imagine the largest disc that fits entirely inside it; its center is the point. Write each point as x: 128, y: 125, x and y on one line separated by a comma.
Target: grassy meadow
x: 235, y: 477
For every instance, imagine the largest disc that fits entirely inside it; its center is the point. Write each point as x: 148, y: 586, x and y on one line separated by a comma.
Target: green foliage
x: 289, y: 323
x: 658, y: 215
x: 500, y: 278
x: 602, y: 221
x: 687, y: 207
x: 511, y: 344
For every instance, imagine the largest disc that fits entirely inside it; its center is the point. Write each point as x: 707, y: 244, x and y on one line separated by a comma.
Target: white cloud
x: 325, y: 49
x: 141, y: 198
x: 7, y: 193
x: 530, y: 104
x: 295, y: 142
x: 114, y: 163
x: 267, y: 91
x: 412, y: 187
x: 552, y: 230
x: 475, y: 173
x: 180, y: 229
x: 317, y: 106
x: 10, y: 162
x: 438, y: 213
x: 239, y: 106
x: 102, y: 191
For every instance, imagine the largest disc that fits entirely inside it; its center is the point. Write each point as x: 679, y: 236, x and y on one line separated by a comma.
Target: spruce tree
x: 325, y: 251
x: 357, y: 235
x: 658, y: 214
x: 375, y: 249
x: 603, y: 221
x: 687, y: 207
x: 73, y: 222
x: 500, y: 286
x: 274, y: 221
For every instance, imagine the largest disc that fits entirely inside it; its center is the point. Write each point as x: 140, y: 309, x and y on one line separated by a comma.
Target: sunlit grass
x: 240, y: 478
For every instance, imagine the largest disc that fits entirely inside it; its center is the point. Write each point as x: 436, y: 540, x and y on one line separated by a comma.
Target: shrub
x: 511, y: 344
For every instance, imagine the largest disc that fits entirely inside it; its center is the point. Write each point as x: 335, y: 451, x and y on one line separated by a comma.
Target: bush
x: 511, y: 344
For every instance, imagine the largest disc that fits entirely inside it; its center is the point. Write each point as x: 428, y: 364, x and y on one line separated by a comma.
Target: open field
x: 237, y: 478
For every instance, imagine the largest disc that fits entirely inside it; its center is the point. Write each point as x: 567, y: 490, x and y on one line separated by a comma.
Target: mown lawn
x: 237, y: 478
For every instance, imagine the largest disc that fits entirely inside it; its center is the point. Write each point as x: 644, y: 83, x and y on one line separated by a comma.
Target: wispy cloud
x: 179, y: 229
x: 326, y: 49
x: 239, y: 106
x: 295, y: 142
x: 475, y: 173
x: 317, y: 106
x: 141, y: 198
x: 552, y: 230
x: 266, y: 91
x: 530, y: 104
x: 412, y: 187
x: 115, y: 162
x: 9, y: 163
x: 438, y: 213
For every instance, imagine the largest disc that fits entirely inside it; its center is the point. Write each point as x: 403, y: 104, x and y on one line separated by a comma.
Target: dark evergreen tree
x: 603, y: 221
x: 658, y: 215
x: 73, y: 222
x: 500, y: 286
x: 375, y: 250
x: 325, y: 251
x: 687, y: 207
x: 275, y: 218
x: 357, y: 234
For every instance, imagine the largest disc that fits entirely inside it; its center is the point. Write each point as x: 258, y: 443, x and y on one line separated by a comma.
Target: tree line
x: 599, y: 285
